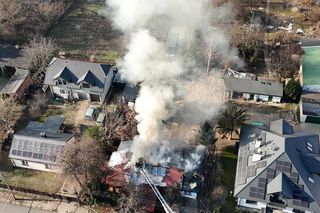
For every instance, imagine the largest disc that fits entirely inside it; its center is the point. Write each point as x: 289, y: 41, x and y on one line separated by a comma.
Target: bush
x: 292, y: 91
x: 93, y: 132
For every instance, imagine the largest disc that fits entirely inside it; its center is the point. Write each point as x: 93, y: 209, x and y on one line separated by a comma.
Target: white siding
x: 35, y: 165
x: 56, y: 90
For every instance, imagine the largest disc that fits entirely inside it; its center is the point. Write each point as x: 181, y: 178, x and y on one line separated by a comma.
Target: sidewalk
x: 42, y: 202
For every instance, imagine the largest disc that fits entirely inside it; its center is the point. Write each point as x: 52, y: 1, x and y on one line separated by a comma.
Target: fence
x: 32, y: 191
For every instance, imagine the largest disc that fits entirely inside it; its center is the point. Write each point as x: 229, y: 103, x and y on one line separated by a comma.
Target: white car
x: 91, y: 113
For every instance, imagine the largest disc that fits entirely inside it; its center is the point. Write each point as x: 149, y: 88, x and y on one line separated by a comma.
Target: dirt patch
x: 94, y: 33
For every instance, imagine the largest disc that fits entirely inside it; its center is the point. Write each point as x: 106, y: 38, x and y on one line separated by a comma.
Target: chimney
x: 43, y: 134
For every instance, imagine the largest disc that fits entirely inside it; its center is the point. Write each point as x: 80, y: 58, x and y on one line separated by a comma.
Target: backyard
x: 95, y: 35
x: 27, y: 178
x: 229, y: 164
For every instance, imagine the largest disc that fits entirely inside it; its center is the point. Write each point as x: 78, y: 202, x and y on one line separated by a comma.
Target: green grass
x: 50, y: 112
x: 32, y: 179
x: 229, y: 164
x: 108, y: 56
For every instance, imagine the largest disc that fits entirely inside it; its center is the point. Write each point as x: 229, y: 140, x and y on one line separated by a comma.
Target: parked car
x: 101, y: 119
x: 91, y: 113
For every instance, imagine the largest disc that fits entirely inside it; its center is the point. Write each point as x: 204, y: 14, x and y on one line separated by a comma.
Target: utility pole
x: 5, y: 180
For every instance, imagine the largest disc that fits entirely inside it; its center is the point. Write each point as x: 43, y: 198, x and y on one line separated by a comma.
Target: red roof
x: 173, y: 176
x: 116, y: 177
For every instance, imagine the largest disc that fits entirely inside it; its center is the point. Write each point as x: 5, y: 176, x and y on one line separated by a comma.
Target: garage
x: 82, y: 96
x: 94, y: 97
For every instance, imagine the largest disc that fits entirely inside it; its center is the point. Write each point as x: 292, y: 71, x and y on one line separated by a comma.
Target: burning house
x: 120, y: 174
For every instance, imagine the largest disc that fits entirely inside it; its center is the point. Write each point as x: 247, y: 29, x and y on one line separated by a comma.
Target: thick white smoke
x: 160, y: 71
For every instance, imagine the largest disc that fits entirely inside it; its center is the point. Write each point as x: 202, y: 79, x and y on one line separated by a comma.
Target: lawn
x: 28, y: 178
x: 83, y: 32
x: 32, y: 179
x: 229, y: 164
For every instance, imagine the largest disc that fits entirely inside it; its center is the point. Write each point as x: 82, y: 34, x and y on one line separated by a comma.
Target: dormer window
x: 309, y: 146
x: 62, y: 82
x: 85, y: 85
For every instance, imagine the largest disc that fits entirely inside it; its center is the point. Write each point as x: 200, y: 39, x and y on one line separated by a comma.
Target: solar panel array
x: 261, y: 164
x: 256, y: 192
x: 36, y: 150
x: 242, y: 164
x: 299, y: 197
x: 283, y: 166
x: 271, y: 173
x: 294, y: 177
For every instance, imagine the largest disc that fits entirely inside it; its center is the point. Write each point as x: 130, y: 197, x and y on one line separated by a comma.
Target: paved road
x: 9, y: 208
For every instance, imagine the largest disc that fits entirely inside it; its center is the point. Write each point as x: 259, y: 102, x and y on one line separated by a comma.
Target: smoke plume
x: 166, y: 41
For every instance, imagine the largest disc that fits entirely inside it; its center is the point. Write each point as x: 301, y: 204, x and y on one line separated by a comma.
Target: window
x: 85, y: 85
x: 64, y: 82
x: 309, y: 146
x: 59, y: 82
x: 62, y: 91
x: 25, y: 163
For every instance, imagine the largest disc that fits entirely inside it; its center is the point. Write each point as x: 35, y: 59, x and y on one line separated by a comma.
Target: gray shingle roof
x: 311, y: 42
x: 281, y: 126
x: 76, y: 72
x: 280, y: 154
x: 254, y: 87
x: 28, y: 144
x: 15, y: 82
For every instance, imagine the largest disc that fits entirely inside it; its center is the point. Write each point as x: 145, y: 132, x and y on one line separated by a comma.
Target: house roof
x: 76, y: 72
x: 130, y: 92
x: 284, y: 165
x: 31, y: 144
x: 254, y: 87
x: 310, y: 42
x: 15, y: 82
x: 121, y: 171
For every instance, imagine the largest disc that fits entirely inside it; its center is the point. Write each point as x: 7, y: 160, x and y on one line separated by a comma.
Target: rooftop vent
x: 43, y: 134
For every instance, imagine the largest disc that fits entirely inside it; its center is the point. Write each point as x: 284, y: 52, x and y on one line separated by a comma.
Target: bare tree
x: 38, y: 54
x: 82, y: 160
x: 283, y: 63
x: 10, y: 112
x: 37, y: 105
x: 120, y: 125
x: 25, y: 18
x: 129, y: 202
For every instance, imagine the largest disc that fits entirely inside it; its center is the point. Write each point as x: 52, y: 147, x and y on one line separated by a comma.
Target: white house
x: 39, y: 145
x: 79, y: 80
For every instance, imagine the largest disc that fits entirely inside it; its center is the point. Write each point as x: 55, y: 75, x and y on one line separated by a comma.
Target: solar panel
x: 257, y: 193
x: 261, y: 164
x: 242, y: 167
x: 270, y: 173
x: 283, y: 166
x: 294, y: 177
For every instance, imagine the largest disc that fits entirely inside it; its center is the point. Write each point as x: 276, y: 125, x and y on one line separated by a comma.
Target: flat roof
x: 311, y: 66
x: 254, y: 87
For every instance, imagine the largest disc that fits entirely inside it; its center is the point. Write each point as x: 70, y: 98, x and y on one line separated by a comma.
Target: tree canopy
x: 231, y: 119
x: 292, y: 91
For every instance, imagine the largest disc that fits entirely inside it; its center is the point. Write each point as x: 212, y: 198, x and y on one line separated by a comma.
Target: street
x: 10, y: 208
